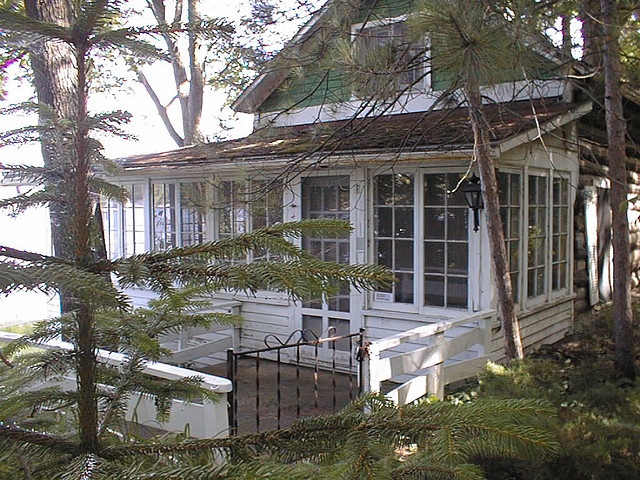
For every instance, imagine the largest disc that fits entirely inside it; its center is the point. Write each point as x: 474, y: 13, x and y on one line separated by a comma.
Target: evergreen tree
x: 98, y: 312
x: 612, y: 20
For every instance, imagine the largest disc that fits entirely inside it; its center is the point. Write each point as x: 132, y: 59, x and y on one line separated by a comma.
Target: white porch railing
x: 200, y: 420
x: 431, y: 364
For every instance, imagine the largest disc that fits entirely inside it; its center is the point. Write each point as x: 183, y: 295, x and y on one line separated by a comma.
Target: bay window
x: 420, y: 231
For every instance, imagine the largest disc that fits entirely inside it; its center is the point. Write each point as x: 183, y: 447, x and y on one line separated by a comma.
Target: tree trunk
x: 589, y: 13
x: 61, y: 83
x: 506, y: 307
x: 56, y: 85
x: 616, y: 143
x: 189, y: 78
x: 192, y: 134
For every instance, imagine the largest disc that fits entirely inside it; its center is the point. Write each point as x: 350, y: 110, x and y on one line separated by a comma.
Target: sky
x: 30, y: 231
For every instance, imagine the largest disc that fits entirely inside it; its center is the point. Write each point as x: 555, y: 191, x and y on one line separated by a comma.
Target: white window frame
x: 568, y: 288
x: 323, y: 313
x: 118, y: 210
x: 177, y: 182
x: 418, y: 306
x: 527, y: 303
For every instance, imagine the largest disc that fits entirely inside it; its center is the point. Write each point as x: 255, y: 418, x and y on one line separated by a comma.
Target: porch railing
x: 431, y: 363
x: 200, y: 419
x: 263, y: 394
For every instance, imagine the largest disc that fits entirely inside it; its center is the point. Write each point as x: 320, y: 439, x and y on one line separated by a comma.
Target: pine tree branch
x: 53, y: 442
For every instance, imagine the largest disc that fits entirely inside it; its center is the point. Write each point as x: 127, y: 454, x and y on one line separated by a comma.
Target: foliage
x: 61, y: 408
x: 598, y: 416
x: 370, y: 439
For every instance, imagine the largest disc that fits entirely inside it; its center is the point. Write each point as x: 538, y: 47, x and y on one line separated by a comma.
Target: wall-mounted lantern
x: 473, y: 195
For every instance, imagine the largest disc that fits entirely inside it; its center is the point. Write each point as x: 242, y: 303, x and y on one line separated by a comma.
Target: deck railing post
x: 231, y: 396
x: 371, y: 360
x: 361, y: 356
x: 436, y: 380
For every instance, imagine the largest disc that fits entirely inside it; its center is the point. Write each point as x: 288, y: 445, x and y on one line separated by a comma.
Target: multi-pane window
x: 446, y: 244
x: 193, y: 203
x: 266, y: 203
x: 510, y: 200
x: 233, y: 214
x: 125, y: 223
x: 244, y: 206
x: 393, y: 232
x: 178, y: 214
x: 560, y: 234
x: 537, y: 235
x: 388, y: 48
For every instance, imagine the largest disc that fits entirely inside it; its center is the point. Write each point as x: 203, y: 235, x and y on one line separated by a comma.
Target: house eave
x: 294, y: 162
x: 540, y: 130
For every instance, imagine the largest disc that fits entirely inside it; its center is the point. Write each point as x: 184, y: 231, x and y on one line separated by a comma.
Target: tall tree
x: 188, y: 68
x: 471, y: 43
x: 56, y: 84
x: 612, y: 19
x: 70, y: 182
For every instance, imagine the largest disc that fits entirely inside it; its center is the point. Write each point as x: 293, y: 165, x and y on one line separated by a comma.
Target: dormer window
x: 386, y: 56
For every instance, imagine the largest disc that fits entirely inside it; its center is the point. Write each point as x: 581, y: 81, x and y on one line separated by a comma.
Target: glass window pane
x: 457, y: 224
x: 385, y: 253
x: 384, y: 222
x: 457, y: 292
x: 434, y: 290
x: 313, y: 324
x: 434, y: 257
x: 403, y: 194
x: 435, y: 189
x: 339, y: 327
x: 404, y: 288
x: 404, y: 255
x: 434, y: 223
x: 457, y: 259
x: 404, y: 222
x: 384, y: 190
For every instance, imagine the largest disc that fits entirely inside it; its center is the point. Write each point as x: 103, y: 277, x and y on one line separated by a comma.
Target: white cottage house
x: 394, y: 170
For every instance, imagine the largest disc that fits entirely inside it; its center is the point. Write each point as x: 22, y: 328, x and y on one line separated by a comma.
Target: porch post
x: 231, y: 396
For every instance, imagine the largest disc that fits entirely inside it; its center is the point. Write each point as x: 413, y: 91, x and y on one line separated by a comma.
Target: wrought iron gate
x: 273, y: 384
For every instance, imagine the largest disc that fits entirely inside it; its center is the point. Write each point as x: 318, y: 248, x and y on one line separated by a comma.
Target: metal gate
x: 302, y: 376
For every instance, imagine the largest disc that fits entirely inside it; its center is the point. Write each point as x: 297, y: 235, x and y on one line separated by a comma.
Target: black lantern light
x: 473, y: 195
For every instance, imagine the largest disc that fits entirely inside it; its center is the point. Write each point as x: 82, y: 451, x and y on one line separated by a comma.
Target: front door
x: 327, y: 197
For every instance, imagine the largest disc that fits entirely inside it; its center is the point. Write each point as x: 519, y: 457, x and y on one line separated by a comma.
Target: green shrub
x: 598, y: 417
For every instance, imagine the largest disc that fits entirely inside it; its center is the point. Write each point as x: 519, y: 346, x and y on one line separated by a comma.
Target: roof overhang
x: 441, y: 134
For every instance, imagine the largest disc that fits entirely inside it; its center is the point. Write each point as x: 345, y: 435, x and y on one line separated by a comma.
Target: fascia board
x: 536, y: 133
